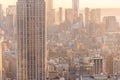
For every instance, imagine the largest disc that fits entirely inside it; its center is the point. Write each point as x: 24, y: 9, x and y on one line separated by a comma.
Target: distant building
x: 116, y: 65
x: 61, y: 14
x: 11, y: 9
x: 57, y: 17
x: 87, y: 16
x: 98, y: 64
x: 50, y: 13
x: 69, y: 15
x: 51, y: 17
x: 75, y: 6
x: 95, y: 16
x: 81, y: 19
x: 5, y: 45
x: 9, y: 65
x: 10, y: 25
x: 111, y: 23
x: 49, y: 5
x: 1, y: 15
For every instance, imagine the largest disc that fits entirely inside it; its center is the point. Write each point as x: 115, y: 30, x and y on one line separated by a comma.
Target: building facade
x: 75, y: 5
x: 49, y: 4
x: 69, y: 15
x: 31, y: 41
x: 98, y: 65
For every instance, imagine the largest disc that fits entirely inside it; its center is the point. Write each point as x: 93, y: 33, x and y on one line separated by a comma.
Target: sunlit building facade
x: 75, y: 5
x: 31, y: 40
x: 69, y: 15
x: 49, y: 4
x: 95, y: 16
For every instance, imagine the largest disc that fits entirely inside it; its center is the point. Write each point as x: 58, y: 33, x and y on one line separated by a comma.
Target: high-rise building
x: 31, y: 41
x: 49, y: 4
x: 75, y: 5
x: 61, y: 14
x: 11, y: 10
x: 87, y: 16
x: 69, y: 15
x: 9, y: 25
x: 51, y: 17
x: 111, y: 23
x: 95, y: 16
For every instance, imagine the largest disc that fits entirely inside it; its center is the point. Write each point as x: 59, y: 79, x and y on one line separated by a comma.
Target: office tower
x: 75, y: 6
x: 69, y: 15
x: 110, y: 23
x: 87, y: 16
x: 80, y: 19
x: 9, y: 65
x: 9, y: 25
x: 49, y: 5
x: 95, y: 16
x: 31, y: 40
x: 61, y: 14
x: 51, y: 17
x: 11, y: 21
x: 109, y: 64
x: 11, y: 11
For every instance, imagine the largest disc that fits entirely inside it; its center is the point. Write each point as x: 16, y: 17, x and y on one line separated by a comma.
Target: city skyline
x: 60, y: 40
x: 68, y: 3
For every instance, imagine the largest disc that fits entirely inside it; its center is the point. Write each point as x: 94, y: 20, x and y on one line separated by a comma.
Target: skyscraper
x: 61, y: 14
x: 75, y: 6
x: 95, y: 16
x: 31, y: 39
x: 49, y: 5
x: 87, y: 16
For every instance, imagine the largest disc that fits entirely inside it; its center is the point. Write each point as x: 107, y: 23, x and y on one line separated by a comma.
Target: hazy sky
x: 83, y: 3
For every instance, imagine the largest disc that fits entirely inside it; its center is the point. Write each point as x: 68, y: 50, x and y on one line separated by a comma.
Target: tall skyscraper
x: 87, y: 16
x: 95, y: 16
x: 75, y: 6
x: 69, y: 15
x: 49, y: 5
x: 61, y: 14
x: 31, y: 42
